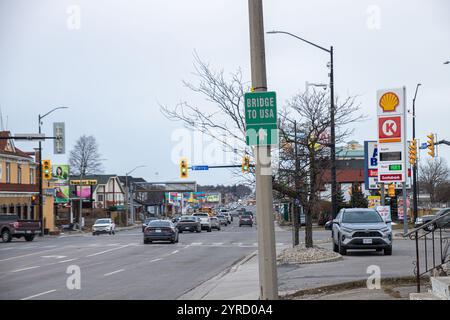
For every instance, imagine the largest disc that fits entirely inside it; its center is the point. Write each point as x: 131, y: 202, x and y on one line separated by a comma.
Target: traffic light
x: 183, y: 168
x: 413, y: 152
x: 46, y: 169
x: 391, y: 190
x: 431, y: 144
x: 245, y: 164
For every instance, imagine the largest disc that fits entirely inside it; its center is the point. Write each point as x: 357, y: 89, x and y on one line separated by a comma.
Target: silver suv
x: 358, y: 228
x: 205, y: 220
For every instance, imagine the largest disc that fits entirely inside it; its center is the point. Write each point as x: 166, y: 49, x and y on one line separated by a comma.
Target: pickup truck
x: 12, y: 227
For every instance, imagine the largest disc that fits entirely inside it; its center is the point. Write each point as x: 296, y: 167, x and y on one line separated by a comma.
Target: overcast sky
x: 125, y: 57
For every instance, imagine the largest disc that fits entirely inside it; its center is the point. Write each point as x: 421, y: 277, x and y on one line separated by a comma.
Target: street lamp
x: 319, y: 85
x: 130, y: 199
x: 415, y: 164
x: 332, y: 124
x: 41, y: 207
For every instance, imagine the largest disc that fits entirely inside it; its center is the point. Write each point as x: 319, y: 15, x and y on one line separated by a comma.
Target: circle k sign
x: 389, y: 129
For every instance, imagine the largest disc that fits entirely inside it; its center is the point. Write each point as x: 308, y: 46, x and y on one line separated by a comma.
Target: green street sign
x: 261, y: 118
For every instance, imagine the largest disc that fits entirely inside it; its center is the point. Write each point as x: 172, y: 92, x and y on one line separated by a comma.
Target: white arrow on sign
x: 262, y: 135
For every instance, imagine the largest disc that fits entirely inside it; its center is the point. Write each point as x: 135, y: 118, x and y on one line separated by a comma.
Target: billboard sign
x: 61, y: 176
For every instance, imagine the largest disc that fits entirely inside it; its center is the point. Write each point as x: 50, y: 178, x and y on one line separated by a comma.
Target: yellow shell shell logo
x: 389, y: 101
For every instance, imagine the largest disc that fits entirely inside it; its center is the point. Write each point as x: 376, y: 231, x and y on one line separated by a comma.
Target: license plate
x: 157, y: 230
x: 367, y: 241
x: 186, y: 228
x: 28, y: 231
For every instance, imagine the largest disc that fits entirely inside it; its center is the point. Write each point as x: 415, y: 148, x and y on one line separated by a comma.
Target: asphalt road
x: 120, y: 266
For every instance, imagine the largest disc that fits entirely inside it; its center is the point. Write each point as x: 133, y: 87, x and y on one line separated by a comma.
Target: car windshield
x: 442, y: 212
x: 361, y: 217
x: 159, y: 223
x: 187, y: 218
x: 149, y: 219
x: 246, y: 216
x: 99, y: 221
x: 201, y: 214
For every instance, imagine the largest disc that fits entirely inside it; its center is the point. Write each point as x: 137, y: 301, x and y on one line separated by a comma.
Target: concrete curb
x: 333, y: 259
x: 338, y: 287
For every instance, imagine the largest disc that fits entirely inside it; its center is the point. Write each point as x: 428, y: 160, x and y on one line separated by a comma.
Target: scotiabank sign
x: 390, y: 177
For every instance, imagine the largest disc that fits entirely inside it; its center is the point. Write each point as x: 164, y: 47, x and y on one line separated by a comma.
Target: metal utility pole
x: 333, y: 140
x: 332, y: 123
x: 268, y: 281
x: 129, y: 195
x: 80, y: 214
x: 415, y: 164
x: 41, y: 196
x: 295, y: 226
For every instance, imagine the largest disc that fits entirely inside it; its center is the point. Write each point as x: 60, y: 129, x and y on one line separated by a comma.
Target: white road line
x: 24, y: 269
x: 7, y: 248
x: 54, y: 256
x: 196, y: 243
x: 102, y: 252
x: 26, y: 255
x: 154, y: 260
x: 173, y: 252
x: 239, y: 244
x: 67, y: 260
x: 217, y: 243
x: 39, y: 294
x: 110, y: 273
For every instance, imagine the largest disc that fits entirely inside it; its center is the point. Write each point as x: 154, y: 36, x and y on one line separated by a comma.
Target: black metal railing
x: 435, y: 236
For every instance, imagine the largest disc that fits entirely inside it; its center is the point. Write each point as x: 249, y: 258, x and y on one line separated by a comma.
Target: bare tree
x: 225, y: 118
x: 312, y: 113
x: 432, y: 174
x: 84, y: 158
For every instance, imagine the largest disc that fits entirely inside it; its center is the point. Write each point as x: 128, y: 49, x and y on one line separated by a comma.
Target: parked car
x: 189, y: 223
x: 147, y: 221
x: 160, y: 230
x: 105, y: 225
x: 227, y: 214
x: 443, y: 222
x: 215, y: 223
x: 246, y: 219
x: 358, y: 228
x: 12, y: 227
x: 205, y: 220
x: 222, y: 219
x: 424, y: 219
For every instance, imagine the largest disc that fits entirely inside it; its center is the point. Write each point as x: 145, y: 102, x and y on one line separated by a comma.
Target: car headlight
x: 346, y: 230
x: 384, y: 230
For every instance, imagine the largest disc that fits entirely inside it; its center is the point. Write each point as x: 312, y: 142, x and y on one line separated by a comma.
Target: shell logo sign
x: 389, y: 101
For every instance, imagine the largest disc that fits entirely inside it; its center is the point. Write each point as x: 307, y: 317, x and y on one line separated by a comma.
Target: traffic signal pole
x: 268, y: 281
x: 41, y: 197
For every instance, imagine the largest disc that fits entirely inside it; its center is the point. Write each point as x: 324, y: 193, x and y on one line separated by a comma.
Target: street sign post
x: 261, y: 118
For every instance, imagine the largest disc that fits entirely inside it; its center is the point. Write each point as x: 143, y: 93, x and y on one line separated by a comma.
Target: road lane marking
x: 29, y: 254
x: 24, y: 269
x: 173, y: 252
x: 154, y: 260
x: 39, y: 294
x: 53, y: 256
x: 67, y: 260
x: 217, y: 244
x: 196, y: 243
x: 109, y: 250
x: 114, y: 272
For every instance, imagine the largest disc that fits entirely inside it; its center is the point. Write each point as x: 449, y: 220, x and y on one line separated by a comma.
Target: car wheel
x: 379, y: 249
x: 388, y: 251
x: 145, y: 241
x: 342, y: 250
x: 29, y: 237
x: 209, y: 229
x: 93, y: 233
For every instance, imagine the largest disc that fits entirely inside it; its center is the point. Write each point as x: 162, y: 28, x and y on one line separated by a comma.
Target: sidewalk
x: 238, y: 282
